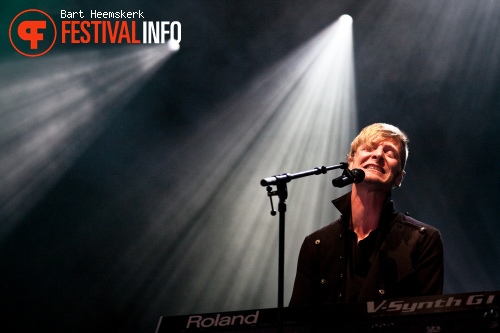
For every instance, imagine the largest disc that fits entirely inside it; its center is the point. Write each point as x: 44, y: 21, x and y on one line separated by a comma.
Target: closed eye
x: 391, y: 152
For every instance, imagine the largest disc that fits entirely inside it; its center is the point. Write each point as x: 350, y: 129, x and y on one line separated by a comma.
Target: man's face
x: 380, y: 160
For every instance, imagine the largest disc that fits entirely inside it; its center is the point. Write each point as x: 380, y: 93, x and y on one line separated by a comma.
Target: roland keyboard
x: 461, y: 313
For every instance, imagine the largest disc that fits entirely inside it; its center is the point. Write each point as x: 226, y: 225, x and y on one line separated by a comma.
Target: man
x: 371, y: 252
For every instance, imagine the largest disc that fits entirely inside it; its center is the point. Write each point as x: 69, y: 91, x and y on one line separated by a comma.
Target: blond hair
x: 377, y: 131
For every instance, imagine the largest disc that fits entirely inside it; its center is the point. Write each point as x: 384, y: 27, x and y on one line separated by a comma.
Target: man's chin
x: 375, y: 183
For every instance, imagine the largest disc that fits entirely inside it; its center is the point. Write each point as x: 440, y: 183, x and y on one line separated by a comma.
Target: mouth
x: 374, y: 167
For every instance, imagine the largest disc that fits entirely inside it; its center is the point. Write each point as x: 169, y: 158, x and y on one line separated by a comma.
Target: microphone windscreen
x: 358, y: 174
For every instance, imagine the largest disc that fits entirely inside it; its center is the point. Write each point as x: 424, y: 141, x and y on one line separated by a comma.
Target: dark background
x: 103, y: 247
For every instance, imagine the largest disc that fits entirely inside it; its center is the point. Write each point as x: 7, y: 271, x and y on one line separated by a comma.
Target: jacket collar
x: 343, y: 204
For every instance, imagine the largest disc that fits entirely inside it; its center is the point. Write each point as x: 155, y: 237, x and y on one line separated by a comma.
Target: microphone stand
x: 282, y: 192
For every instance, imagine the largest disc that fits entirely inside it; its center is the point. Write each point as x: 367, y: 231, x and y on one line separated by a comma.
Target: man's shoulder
x: 413, y: 224
x: 331, y: 228
x: 324, y: 238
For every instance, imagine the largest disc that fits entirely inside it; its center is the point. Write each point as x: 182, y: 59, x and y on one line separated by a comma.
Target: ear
x: 400, y: 179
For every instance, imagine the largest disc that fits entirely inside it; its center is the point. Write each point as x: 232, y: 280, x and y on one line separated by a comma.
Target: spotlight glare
x: 174, y: 45
x: 345, y: 19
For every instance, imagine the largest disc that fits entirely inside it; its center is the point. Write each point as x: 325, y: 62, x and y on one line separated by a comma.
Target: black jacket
x: 407, y: 261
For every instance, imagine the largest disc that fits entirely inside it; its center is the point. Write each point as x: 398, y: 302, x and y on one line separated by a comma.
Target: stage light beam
x: 52, y: 108
x: 212, y: 232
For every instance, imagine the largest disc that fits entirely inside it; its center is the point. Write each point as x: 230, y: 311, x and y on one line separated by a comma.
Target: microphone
x: 349, y: 177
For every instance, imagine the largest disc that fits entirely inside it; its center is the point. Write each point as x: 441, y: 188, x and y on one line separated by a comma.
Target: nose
x: 378, y: 153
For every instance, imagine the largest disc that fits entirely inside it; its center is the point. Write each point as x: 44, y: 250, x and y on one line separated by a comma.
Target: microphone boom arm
x: 287, y: 177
